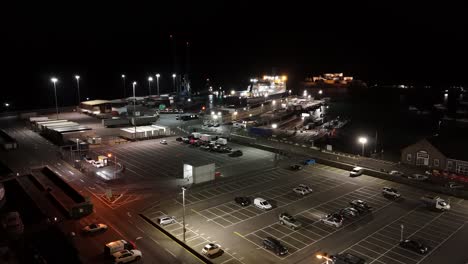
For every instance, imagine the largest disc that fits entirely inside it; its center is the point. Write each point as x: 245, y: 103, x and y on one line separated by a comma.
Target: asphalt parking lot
x: 150, y: 160
x: 374, y: 236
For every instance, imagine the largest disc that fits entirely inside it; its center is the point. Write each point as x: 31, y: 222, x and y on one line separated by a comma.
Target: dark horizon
x: 229, y: 43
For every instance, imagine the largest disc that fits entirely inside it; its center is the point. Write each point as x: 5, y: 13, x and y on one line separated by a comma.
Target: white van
x: 262, y: 204
x: 116, y: 246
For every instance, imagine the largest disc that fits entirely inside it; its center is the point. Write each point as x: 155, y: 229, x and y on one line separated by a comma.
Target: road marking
x: 82, y: 180
x: 170, y: 252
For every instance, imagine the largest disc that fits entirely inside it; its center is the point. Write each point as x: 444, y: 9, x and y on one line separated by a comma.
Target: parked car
x: 205, y: 147
x: 306, y: 187
x: 418, y: 177
x: 301, y: 191
x: 356, y: 171
x: 360, y: 205
x: 335, y: 220
x: 166, y: 220
x: 347, y: 258
x: 295, y: 167
x: 349, y: 212
x: 236, y: 153
x: 179, y: 139
x: 93, y: 228
x: 391, y: 192
x: 289, y: 221
x: 211, y: 249
x: 97, y: 164
x: 414, y: 245
x: 309, y: 162
x: 125, y: 256
x: 164, y: 142
x: 275, y: 246
x: 262, y: 204
x: 396, y: 173
x: 244, y: 201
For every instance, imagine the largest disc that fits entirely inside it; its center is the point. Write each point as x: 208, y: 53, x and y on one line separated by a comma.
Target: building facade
x: 434, y: 154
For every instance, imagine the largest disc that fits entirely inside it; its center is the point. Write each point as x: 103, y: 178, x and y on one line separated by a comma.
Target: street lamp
x: 363, y: 141
x: 123, y: 79
x: 77, y: 77
x: 305, y: 93
x: 134, y: 111
x: 274, y: 126
x: 150, y: 79
x: 183, y: 204
x: 54, y: 80
x: 157, y: 81
x: 173, y: 81
x: 324, y: 256
x: 320, y: 92
x: 7, y: 104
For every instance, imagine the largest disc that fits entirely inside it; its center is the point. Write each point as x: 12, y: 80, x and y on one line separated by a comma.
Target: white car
x: 356, y: 171
x: 390, y: 192
x: 396, y: 173
x: 97, y: 164
x: 262, y: 204
x: 164, y: 142
x: 92, y: 228
x: 211, y: 249
x: 418, y: 177
x: 301, y: 191
x: 166, y: 220
x: 303, y: 186
x: 125, y: 256
x: 332, y: 221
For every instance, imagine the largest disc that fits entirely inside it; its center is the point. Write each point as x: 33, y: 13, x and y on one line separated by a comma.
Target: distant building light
x: 274, y: 126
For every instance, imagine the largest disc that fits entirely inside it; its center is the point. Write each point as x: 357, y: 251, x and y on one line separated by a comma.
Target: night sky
x: 229, y: 43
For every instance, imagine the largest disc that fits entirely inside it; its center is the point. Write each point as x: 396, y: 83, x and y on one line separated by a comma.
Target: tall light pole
x: 77, y: 77
x: 183, y: 205
x: 115, y: 162
x: 363, y: 141
x: 134, y: 111
x: 123, y: 79
x: 54, y: 80
x: 173, y: 81
x: 157, y: 81
x: 150, y: 79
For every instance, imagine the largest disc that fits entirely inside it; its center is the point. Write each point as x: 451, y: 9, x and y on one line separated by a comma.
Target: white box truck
x: 206, y: 137
x: 435, y: 202
x: 196, y: 135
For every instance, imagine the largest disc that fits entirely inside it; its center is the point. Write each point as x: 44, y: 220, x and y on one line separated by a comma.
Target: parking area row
x: 229, y: 186
x: 312, y: 230
x: 150, y: 159
x: 420, y: 224
x: 194, y: 239
x: 231, y: 213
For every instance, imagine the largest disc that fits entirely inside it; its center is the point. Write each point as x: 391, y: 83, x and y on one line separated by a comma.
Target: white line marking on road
x: 170, y: 252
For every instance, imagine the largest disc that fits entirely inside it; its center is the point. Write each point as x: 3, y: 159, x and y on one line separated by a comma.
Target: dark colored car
x: 360, y: 205
x: 349, y: 212
x: 414, y: 245
x: 236, y: 153
x: 275, y: 246
x: 347, y: 258
x: 244, y: 201
x: 295, y: 167
x: 179, y: 139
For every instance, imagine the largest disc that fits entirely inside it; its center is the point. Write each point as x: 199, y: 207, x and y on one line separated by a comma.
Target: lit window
x: 408, y: 157
x: 436, y: 163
